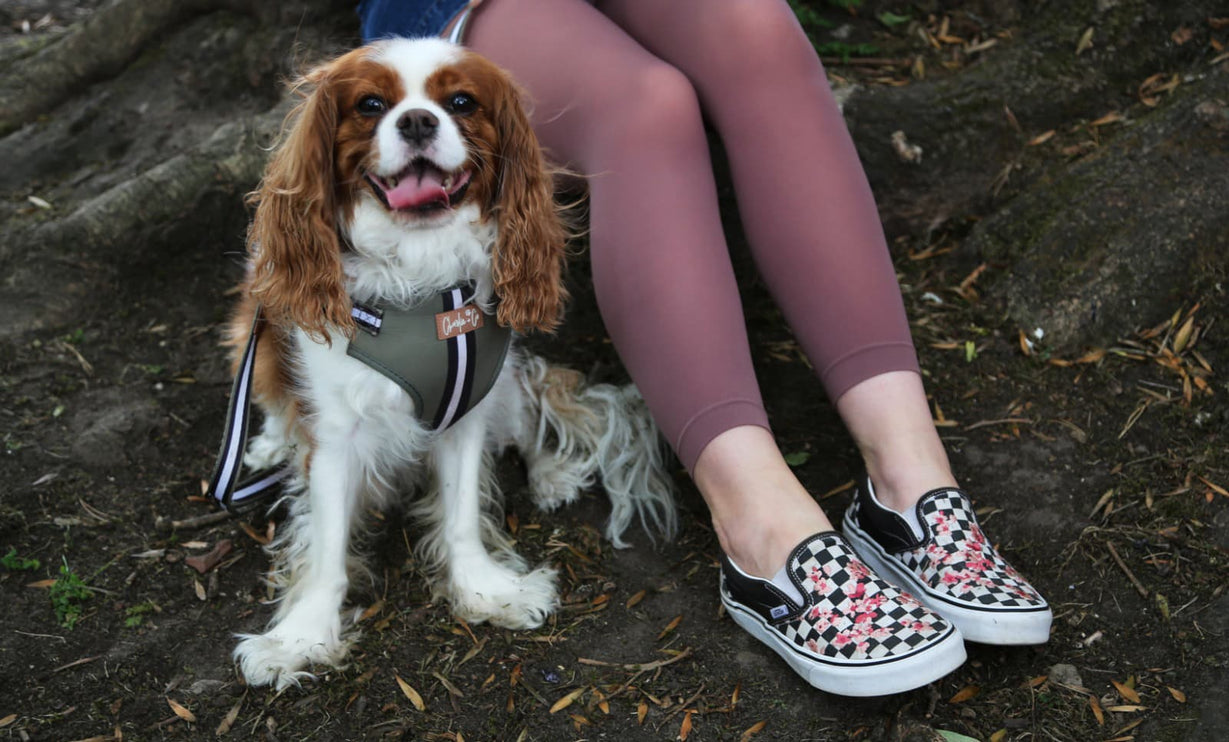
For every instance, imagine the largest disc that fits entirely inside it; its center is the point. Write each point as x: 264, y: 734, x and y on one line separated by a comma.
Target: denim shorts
x: 381, y: 19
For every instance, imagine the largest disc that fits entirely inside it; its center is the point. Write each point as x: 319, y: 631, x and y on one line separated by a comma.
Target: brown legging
x: 618, y: 91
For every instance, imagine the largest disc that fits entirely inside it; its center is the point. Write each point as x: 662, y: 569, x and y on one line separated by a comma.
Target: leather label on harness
x: 458, y: 322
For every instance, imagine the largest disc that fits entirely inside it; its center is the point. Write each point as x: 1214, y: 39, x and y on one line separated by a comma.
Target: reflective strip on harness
x: 222, y: 486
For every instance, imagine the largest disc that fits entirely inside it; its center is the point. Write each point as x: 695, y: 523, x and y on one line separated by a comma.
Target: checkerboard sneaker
x: 853, y: 634
x: 950, y: 567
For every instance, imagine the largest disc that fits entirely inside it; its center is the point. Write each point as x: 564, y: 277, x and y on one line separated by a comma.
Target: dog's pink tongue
x: 417, y: 190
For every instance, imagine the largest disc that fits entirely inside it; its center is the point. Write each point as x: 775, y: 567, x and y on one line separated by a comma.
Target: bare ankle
x: 760, y: 510
x: 901, y: 489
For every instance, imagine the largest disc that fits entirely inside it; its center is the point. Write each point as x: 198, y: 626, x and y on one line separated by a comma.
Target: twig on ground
x: 197, y: 521
x: 638, y: 667
x: 1143, y: 591
x: 1003, y: 421
x: 681, y: 707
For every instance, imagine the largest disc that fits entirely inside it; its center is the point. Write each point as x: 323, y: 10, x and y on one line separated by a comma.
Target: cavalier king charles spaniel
x: 408, y: 211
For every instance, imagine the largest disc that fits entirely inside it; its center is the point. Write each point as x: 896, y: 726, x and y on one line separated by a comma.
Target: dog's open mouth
x: 422, y: 187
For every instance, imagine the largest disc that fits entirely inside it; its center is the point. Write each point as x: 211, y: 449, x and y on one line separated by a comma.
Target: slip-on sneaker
x: 950, y: 567
x: 853, y: 634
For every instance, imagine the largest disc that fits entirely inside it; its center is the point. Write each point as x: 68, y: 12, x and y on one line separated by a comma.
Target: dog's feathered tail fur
x: 596, y: 431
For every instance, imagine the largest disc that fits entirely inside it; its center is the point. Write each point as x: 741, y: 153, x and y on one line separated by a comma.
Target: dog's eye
x: 371, y: 105
x: 462, y: 104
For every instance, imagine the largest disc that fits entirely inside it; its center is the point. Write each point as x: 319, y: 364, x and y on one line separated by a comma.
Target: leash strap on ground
x: 224, y: 486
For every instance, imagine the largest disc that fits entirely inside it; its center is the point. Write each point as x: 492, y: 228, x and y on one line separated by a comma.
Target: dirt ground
x: 1097, y: 478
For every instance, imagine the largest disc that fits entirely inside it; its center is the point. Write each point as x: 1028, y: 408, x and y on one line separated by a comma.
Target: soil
x: 1098, y: 478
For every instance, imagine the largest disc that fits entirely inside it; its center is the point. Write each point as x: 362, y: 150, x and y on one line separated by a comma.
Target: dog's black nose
x: 418, y: 125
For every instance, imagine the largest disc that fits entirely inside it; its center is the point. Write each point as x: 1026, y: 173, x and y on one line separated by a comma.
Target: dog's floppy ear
x: 531, y: 249
x: 293, y: 239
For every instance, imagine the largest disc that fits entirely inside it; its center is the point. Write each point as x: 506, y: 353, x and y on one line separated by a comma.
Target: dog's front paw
x: 266, y: 451
x: 505, y: 598
x: 281, y: 656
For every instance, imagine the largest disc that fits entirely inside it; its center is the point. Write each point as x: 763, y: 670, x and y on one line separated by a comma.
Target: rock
x: 111, y: 426
x: 1066, y: 675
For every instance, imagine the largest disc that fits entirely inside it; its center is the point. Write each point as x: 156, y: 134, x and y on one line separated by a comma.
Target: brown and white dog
x: 410, y: 168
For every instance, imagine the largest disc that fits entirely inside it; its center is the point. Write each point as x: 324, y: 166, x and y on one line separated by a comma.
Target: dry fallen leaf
x: 964, y: 694
x: 642, y: 710
x: 567, y: 700
x: 263, y: 540
x: 753, y: 730
x: 1085, y: 42
x: 372, y: 610
x: 448, y: 685
x: 410, y: 693
x: 1096, y: 710
x: 1178, y: 695
x: 1152, y: 87
x: 1215, y: 487
x: 1183, y: 336
x: 229, y: 720
x: 181, y: 712
x: 1127, y: 693
x: 1110, y: 118
x: 685, y: 728
x: 632, y: 601
x: 1041, y: 138
x: 670, y: 626
x: 8, y: 720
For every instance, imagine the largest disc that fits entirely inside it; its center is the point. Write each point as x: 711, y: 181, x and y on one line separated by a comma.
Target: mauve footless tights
x: 618, y: 91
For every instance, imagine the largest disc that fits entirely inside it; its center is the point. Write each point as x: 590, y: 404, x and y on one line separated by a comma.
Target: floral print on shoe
x: 854, y: 634
x: 952, y: 567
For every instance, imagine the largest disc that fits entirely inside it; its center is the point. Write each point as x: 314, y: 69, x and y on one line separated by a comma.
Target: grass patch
x: 814, y: 22
x: 135, y: 615
x: 15, y: 563
x: 68, y: 595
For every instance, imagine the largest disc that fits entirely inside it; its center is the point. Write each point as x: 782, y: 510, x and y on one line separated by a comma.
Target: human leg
x: 827, y: 264
x: 660, y: 263
x: 809, y: 216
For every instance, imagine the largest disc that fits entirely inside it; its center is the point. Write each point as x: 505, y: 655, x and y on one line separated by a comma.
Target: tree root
x: 100, y: 47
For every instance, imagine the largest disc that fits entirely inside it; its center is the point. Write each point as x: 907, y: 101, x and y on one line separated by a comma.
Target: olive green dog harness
x: 446, y: 353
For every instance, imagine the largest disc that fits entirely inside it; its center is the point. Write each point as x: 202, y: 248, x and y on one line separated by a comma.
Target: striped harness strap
x: 445, y: 354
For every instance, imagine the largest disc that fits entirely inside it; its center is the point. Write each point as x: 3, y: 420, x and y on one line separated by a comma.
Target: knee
x: 654, y: 104
x: 756, y: 35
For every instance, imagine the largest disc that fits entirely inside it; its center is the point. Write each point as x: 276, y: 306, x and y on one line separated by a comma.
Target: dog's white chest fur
x: 345, y: 391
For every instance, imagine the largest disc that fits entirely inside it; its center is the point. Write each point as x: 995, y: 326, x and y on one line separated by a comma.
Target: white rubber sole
x: 1002, y: 626
x: 853, y: 677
